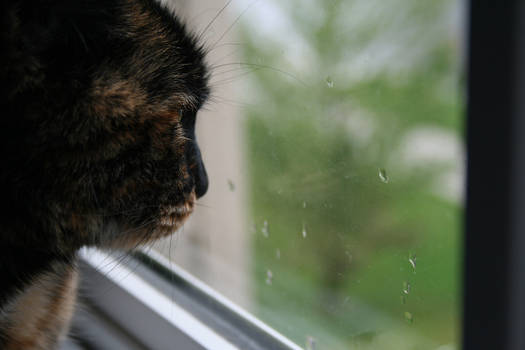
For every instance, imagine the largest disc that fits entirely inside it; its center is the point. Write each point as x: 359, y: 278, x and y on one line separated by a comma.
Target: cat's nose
x: 199, y: 173
x: 201, y: 181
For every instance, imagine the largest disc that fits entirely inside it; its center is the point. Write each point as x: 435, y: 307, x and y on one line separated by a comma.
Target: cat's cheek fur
x: 38, y: 317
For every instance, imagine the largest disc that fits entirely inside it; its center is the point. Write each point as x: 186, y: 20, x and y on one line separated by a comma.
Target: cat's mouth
x: 174, y: 216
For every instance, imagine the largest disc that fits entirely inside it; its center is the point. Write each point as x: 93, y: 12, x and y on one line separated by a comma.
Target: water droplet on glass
x: 347, y: 299
x: 412, y: 260
x: 409, y: 317
x: 304, y: 204
x: 403, y: 299
x: 278, y: 253
x: 406, y: 287
x: 269, y: 277
x: 304, y: 231
x: 231, y: 185
x: 350, y: 257
x: 329, y: 82
x: 310, y: 343
x: 383, y: 175
x: 264, y: 229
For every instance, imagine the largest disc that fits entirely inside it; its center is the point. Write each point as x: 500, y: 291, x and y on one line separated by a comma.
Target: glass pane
x: 335, y: 151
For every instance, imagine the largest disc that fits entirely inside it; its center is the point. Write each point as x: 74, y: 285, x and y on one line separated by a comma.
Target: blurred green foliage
x: 364, y: 253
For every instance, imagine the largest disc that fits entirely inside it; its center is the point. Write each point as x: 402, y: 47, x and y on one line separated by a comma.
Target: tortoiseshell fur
x: 98, y: 106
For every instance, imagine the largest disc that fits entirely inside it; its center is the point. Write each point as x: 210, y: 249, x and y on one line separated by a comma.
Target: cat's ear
x: 39, y: 39
x: 22, y: 38
x: 81, y: 29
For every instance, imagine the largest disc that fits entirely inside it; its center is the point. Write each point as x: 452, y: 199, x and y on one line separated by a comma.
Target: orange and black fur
x: 98, y: 107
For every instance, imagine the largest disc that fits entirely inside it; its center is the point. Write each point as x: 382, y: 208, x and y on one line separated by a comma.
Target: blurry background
x: 334, y: 147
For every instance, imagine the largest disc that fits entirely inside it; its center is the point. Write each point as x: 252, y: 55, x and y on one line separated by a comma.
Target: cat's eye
x: 341, y: 181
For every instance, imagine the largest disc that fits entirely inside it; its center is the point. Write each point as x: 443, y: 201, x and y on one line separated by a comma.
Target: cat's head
x: 98, y: 136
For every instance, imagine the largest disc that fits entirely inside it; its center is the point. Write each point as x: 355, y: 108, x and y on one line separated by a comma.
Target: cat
x: 98, y: 107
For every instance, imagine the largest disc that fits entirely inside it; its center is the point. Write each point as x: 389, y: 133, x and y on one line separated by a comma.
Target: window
x: 336, y: 203
x: 336, y: 154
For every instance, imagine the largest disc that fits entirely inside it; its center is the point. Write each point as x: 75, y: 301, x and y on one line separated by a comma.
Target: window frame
x: 146, y: 302
x: 494, y: 270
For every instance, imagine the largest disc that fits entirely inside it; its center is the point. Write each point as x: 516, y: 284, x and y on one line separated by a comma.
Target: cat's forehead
x: 165, y: 54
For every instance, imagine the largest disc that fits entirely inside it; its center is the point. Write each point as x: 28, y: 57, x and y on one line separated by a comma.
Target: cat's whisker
x: 126, y: 253
x: 214, y: 100
x: 262, y: 66
x: 221, y: 59
x: 234, y: 70
x: 184, y: 138
x: 227, y: 44
x: 203, y: 205
x: 80, y: 36
x: 234, y: 23
x: 201, y: 34
x: 231, y: 79
x: 171, y: 275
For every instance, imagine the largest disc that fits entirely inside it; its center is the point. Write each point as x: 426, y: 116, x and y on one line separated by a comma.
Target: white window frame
x: 142, y: 301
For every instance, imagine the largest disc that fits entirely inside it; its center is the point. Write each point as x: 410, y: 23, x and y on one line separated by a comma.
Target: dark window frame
x: 494, y: 279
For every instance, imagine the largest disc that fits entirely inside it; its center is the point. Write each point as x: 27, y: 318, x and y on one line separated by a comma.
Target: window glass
x: 335, y: 151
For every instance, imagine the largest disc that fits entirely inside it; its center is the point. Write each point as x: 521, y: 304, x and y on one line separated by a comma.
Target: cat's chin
x: 173, y: 214
x: 171, y: 218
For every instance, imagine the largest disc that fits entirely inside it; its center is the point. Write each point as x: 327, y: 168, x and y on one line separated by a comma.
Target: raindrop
x: 409, y: 317
x: 264, y: 229
x: 269, y: 277
x: 406, y: 287
x: 350, y: 257
x: 278, y: 253
x: 412, y: 260
x: 383, y: 175
x: 347, y: 299
x: 403, y: 299
x: 304, y: 231
x: 304, y: 204
x: 329, y: 82
x: 310, y: 343
x: 231, y: 185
